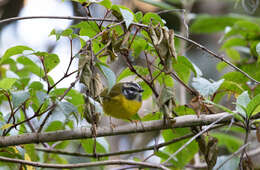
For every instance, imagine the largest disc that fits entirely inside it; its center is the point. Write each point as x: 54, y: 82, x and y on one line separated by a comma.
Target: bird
x: 123, y: 100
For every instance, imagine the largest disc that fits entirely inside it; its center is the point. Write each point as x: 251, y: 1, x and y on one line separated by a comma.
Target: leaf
x: 232, y: 143
x: 231, y: 86
x: 101, y: 145
x: 6, y: 126
x: 204, y: 87
x: 30, y: 66
x: 221, y: 66
x: 234, y: 42
x: 50, y: 60
x: 183, y: 110
x: 19, y: 97
x: 7, y: 83
x: 182, y: 67
x: 41, y: 96
x: 152, y: 116
x: 237, y: 116
x: 233, y: 54
x: 97, y: 105
x: 127, y: 16
x: 27, y: 158
x: 66, y: 108
x: 211, y: 24
x: 153, y: 18
x: 258, y: 49
x: 36, y: 85
x: 14, y: 51
x: 106, y: 3
x: 253, y: 104
x: 54, y: 126
x: 242, y: 101
x: 187, y: 154
x: 160, y: 4
x: 138, y: 16
x: 30, y: 150
x: 87, y: 28
x: 125, y: 73
x: 109, y: 75
x: 231, y: 164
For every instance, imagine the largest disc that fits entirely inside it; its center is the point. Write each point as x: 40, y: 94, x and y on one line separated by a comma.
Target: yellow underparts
x: 120, y: 107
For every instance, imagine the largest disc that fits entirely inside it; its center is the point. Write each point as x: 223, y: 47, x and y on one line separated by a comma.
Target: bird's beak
x: 141, y: 90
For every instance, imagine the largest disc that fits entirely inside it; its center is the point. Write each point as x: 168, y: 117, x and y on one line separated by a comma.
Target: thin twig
x: 194, y: 137
x: 57, y: 17
x: 81, y: 165
x: 116, y: 153
x: 232, y: 155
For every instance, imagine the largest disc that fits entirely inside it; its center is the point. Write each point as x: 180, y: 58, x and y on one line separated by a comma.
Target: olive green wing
x: 115, y: 91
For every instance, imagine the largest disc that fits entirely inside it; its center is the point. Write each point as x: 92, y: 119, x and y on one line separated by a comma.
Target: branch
x: 57, y: 17
x: 99, y: 155
x: 85, y: 132
x: 80, y: 165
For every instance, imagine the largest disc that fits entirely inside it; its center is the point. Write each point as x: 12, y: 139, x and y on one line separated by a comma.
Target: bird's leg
x: 136, y: 121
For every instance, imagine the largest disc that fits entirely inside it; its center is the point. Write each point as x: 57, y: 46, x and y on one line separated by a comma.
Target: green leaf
x: 183, y: 110
x: 231, y: 86
x: 236, y: 77
x: 153, y: 18
x: 6, y: 126
x: 242, y: 101
x: 14, y: 51
x: 187, y: 154
x: 19, y: 97
x: 109, y: 75
x: 211, y: 24
x: 205, y: 87
x: 30, y: 150
x: 221, y: 65
x: 253, y: 104
x: 7, y: 83
x: 234, y: 42
x: 159, y: 4
x: 153, y: 116
x: 125, y: 73
x: 30, y: 66
x: 233, y: 54
x: 106, y: 3
x: 183, y: 66
x: 232, y: 143
x: 50, y: 60
x: 138, y: 16
x: 101, y: 145
x: 67, y: 32
x: 127, y: 16
x: 147, y: 90
x: 54, y: 126
x: 87, y: 28
x: 36, y: 85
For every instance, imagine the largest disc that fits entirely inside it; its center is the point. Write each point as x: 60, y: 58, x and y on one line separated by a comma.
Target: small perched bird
x: 123, y: 100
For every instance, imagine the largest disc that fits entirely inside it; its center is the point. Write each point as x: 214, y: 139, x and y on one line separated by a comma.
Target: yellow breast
x: 120, y: 107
